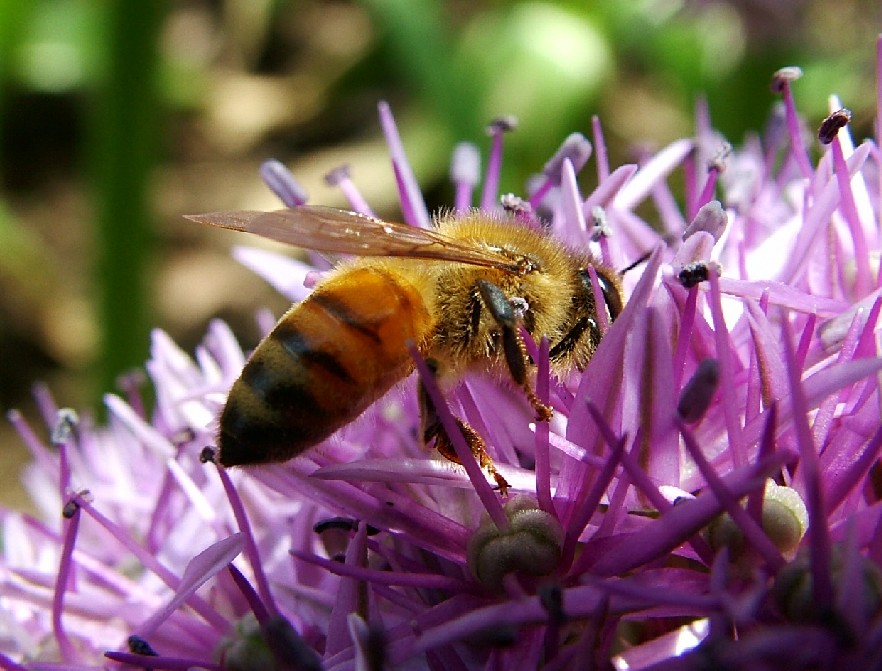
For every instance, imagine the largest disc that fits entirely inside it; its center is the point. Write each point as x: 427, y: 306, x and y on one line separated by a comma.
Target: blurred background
x: 117, y: 117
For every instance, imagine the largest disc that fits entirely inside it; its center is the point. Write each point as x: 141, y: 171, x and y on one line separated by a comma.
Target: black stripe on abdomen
x: 295, y: 344
x: 341, y: 312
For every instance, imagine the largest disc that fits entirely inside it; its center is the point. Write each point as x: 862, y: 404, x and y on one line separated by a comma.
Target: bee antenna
x: 636, y: 263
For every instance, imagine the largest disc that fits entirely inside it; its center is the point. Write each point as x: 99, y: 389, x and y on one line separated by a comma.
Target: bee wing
x: 327, y: 229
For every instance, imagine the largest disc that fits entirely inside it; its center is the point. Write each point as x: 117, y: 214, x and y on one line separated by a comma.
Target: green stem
x: 123, y: 147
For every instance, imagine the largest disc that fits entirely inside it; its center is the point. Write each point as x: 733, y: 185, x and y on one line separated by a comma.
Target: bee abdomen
x: 324, y: 363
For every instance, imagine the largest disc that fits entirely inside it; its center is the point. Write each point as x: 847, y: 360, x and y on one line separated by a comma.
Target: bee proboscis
x: 459, y: 291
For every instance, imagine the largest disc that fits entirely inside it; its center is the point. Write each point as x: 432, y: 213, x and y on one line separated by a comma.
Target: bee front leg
x: 512, y: 344
x: 432, y: 429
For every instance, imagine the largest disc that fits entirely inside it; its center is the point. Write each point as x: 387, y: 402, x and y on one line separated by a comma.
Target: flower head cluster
x: 701, y: 498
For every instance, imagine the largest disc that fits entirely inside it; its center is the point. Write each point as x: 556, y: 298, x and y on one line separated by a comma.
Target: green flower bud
x: 246, y: 648
x: 784, y: 519
x: 531, y: 545
x: 794, y: 594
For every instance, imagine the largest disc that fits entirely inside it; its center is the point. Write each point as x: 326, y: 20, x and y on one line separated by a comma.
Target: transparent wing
x: 327, y: 229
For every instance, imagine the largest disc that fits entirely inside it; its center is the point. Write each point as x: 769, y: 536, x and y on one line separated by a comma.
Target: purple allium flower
x: 705, y: 495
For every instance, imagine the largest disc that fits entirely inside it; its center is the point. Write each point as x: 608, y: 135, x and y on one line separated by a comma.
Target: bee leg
x: 433, y: 430
x: 512, y: 344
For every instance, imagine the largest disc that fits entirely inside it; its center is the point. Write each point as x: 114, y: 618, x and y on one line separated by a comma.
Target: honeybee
x: 459, y: 291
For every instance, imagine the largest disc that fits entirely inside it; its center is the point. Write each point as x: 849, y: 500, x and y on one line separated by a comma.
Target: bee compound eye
x: 610, y: 296
x: 608, y: 290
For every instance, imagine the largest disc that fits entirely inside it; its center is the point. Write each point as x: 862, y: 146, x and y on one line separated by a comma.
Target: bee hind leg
x: 512, y: 344
x: 432, y: 429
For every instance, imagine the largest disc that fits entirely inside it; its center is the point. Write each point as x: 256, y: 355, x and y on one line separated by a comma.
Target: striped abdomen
x: 324, y: 363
